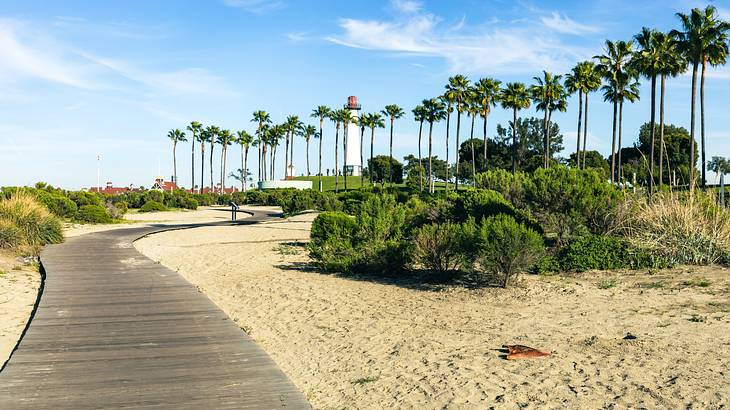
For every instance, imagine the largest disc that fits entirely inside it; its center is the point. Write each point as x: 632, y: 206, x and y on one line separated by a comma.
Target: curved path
x: 113, y: 329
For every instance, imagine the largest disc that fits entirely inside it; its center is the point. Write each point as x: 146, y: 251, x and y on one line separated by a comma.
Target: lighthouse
x: 352, y: 152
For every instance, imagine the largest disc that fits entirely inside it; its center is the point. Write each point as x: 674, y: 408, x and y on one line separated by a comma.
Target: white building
x: 353, y: 164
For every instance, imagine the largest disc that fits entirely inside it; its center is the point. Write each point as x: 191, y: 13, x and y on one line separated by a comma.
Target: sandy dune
x: 18, y: 291
x: 351, y: 343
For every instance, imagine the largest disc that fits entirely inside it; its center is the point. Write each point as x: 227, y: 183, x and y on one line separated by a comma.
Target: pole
x: 722, y: 190
x: 98, y: 173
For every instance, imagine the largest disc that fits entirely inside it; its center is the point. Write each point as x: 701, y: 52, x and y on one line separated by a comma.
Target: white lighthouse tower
x: 352, y: 153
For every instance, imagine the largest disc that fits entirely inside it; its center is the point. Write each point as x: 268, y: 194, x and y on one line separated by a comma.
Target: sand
x: 364, y: 343
x: 19, y: 284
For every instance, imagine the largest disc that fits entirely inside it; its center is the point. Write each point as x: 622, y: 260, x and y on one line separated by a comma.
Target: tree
x: 226, y: 138
x: 719, y: 166
x: 244, y: 140
x: 175, y: 136
x: 515, y: 97
x: 703, y: 40
x: 393, y: 112
x: 372, y: 121
x: 486, y: 95
x: 584, y: 78
x: 204, y: 138
x: 530, y: 148
x: 435, y: 111
x: 194, y: 129
x: 308, y: 132
x: 346, y: 118
x: 549, y: 95
x: 611, y: 65
x: 380, y: 168
x: 321, y: 112
x: 593, y: 159
x: 419, y: 114
x: 213, y: 132
x: 262, y: 118
x: 457, y: 90
x: 623, y: 87
x: 291, y: 126
x: 337, y: 117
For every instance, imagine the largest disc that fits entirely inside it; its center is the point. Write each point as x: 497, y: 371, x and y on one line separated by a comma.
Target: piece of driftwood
x: 523, y: 352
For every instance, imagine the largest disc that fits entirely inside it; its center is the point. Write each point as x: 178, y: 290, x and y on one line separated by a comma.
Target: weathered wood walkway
x: 113, y: 329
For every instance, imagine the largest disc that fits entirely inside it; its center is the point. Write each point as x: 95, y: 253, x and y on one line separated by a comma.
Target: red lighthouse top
x: 352, y: 103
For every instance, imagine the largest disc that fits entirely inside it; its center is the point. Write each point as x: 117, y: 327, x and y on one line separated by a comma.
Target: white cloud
x: 563, y: 24
x: 407, y: 6
x: 256, y: 6
x: 298, y: 37
x: 517, y: 49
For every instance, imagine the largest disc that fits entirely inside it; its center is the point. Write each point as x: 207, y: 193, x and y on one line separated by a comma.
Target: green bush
x: 511, y: 186
x: 27, y: 225
x: 153, y: 206
x: 93, y: 214
x: 442, y: 248
x: 154, y: 196
x: 603, y: 252
x: 505, y: 248
x: 10, y: 235
x: 546, y: 265
x: 58, y: 204
x: 122, y: 206
x: 331, y: 238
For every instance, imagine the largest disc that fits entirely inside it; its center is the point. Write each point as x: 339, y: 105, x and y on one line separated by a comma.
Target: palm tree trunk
x: 545, y: 138
x: 222, y: 164
x: 613, y: 144
x: 259, y: 161
x: 514, y: 140
x: 390, y: 163
x: 243, y: 169
x: 486, y: 114
x: 291, y: 155
x: 174, y: 162
x: 580, y: 117
x: 458, y: 127
x: 286, y: 156
x: 273, y: 162
x: 448, y: 126
x: 548, y: 156
x: 430, y: 156
x: 420, y: 164
x: 308, y: 173
x: 202, y: 166
x: 321, y: 137
x: 620, y: 129
x: 370, y: 164
x: 661, y: 133
x: 473, y: 159
x: 192, y: 165
x: 212, y: 147
x: 337, y: 158
x: 585, y: 133
x: 691, y: 164
x: 362, y: 176
x: 652, y: 133
x: 345, y: 137
x: 702, y: 119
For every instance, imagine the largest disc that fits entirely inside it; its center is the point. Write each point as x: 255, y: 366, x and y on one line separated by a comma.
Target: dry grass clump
x: 680, y: 230
x: 26, y: 225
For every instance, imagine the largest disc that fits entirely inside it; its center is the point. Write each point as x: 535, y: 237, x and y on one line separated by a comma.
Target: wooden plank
x: 113, y: 329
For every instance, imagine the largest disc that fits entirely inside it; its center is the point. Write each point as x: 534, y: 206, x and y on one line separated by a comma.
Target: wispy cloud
x: 496, y: 49
x: 563, y: 24
x: 298, y: 37
x: 256, y: 6
x: 407, y: 6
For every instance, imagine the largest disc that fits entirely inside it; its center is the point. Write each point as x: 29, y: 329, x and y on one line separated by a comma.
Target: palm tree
x: 244, y: 139
x: 471, y: 102
x: 584, y: 78
x: 213, y: 132
x: 549, y: 95
x: 204, y: 137
x: 261, y: 117
x: 515, y: 97
x: 337, y: 117
x: 194, y: 129
x: 321, y: 112
x: 703, y: 40
x: 435, y: 111
x: 611, y: 65
x: 419, y: 114
x: 308, y: 132
x: 373, y: 121
x: 647, y: 62
x: 346, y: 118
x: 393, y: 112
x: 672, y: 64
x: 175, y: 136
x: 487, y: 91
x: 226, y: 138
x: 291, y: 125
x: 623, y: 87
x: 457, y: 89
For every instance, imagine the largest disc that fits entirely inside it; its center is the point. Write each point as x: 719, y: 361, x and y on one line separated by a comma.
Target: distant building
x: 162, y: 185
x: 352, y: 153
x: 110, y: 189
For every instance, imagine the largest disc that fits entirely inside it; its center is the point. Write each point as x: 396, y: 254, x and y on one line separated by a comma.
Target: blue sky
x: 81, y: 78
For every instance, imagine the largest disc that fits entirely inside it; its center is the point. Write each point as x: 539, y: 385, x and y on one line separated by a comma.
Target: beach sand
x: 367, y: 343
x: 19, y: 284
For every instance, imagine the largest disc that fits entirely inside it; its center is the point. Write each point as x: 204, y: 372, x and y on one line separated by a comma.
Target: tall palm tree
x: 583, y: 78
x: 393, y: 112
x: 308, y: 132
x: 487, y: 91
x: 419, y: 114
x: 647, y: 62
x: 194, y: 129
x: 346, y: 118
x: 549, y: 95
x: 373, y: 121
x: 321, y: 112
x: 175, y: 136
x: 337, y: 117
x: 204, y: 138
x: 623, y: 87
x: 515, y: 97
x: 611, y: 65
x: 703, y: 40
x: 226, y: 138
x: 261, y: 117
x: 245, y: 140
x: 213, y: 133
x: 291, y: 125
x: 672, y: 64
x: 473, y: 107
x: 364, y: 122
x: 435, y: 111
x: 457, y: 88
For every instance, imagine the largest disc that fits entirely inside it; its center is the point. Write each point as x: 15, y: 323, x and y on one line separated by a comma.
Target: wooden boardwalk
x: 113, y: 329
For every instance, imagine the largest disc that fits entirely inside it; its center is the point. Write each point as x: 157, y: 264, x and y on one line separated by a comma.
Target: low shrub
x: 82, y: 198
x: 153, y: 206
x: 546, y: 265
x: 27, y: 225
x: 505, y: 248
x: 602, y: 252
x: 441, y: 248
x: 331, y: 239
x: 122, y: 206
x: 95, y: 214
x: 58, y: 204
x: 10, y: 235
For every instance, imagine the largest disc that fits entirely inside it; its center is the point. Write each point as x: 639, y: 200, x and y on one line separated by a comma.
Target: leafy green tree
x: 719, y: 165
x: 175, y: 136
x: 515, y: 97
x: 380, y: 167
x: 194, y: 128
x: 393, y: 112
x: 548, y: 95
x: 321, y: 112
x: 593, y: 160
x: 529, y: 150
